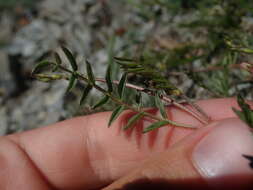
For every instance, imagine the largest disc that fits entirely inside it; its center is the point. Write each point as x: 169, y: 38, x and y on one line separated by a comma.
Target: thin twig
x: 197, y: 108
x: 123, y: 103
x: 168, y: 100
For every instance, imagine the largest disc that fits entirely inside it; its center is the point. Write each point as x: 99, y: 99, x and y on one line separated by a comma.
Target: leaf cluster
x: 115, y: 91
x: 150, y: 77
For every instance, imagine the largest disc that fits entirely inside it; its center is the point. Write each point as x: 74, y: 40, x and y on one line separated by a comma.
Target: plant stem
x: 169, y: 100
x: 120, y: 102
x: 197, y: 108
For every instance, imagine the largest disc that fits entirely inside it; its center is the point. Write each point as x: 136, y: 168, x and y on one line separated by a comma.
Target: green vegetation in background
x: 213, y: 21
x: 9, y: 4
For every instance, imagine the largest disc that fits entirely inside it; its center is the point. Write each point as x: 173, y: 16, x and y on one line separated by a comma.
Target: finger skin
x: 17, y: 171
x: 84, y: 153
x: 219, y: 163
x: 172, y: 169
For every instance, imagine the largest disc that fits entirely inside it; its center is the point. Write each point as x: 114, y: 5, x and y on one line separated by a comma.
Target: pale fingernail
x: 219, y: 155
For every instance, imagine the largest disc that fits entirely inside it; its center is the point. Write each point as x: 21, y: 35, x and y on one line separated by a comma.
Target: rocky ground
x: 91, y: 29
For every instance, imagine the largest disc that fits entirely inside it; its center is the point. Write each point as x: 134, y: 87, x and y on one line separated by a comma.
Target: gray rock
x: 38, y: 106
x: 6, y: 23
x: 3, y: 123
x: 34, y: 40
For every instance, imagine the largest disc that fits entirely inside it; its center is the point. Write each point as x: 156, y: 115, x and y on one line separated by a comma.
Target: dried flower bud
x: 48, y: 78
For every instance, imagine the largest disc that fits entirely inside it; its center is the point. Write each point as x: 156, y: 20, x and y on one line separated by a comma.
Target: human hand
x: 82, y: 153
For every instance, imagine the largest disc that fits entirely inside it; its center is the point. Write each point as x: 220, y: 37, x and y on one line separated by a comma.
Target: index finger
x: 84, y: 153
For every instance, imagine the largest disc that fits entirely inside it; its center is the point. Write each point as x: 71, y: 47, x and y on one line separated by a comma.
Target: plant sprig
x: 116, y: 96
x: 154, y: 81
x: 246, y: 113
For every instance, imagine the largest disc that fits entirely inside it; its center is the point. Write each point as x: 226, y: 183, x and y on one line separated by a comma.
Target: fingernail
x: 219, y: 155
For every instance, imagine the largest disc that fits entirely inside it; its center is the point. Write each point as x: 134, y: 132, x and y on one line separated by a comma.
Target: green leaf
x: 72, y: 81
x: 41, y: 65
x: 138, y: 98
x: 249, y: 158
x: 90, y: 72
x: 241, y: 102
x: 156, y: 125
x: 115, y: 114
x: 133, y: 120
x: 103, y: 101
x: 115, y: 69
x: 126, y: 63
x: 246, y: 114
x: 57, y: 58
x: 134, y: 70
x: 122, y: 59
x: 160, y: 105
x: 240, y: 114
x: 71, y: 58
x: 55, y: 68
x: 108, y: 79
x: 85, y: 94
x: 122, y: 85
x: 58, y: 61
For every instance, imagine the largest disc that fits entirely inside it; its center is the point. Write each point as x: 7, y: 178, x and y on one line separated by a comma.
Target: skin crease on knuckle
x: 17, y: 170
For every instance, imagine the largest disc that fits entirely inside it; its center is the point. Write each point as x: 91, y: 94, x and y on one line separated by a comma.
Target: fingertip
x: 212, y: 157
x: 218, y: 156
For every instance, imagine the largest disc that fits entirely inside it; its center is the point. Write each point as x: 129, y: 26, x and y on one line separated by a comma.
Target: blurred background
x: 175, y: 36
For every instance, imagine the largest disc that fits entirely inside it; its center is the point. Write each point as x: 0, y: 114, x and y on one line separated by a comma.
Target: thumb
x: 212, y: 157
